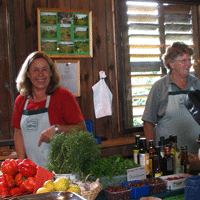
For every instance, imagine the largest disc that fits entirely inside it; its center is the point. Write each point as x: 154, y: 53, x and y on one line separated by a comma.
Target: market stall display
x: 80, y: 171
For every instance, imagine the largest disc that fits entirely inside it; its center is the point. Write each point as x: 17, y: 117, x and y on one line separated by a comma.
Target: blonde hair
x: 177, y: 49
x: 24, y: 85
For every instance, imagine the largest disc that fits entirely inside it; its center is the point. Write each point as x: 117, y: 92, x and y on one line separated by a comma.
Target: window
x: 149, y: 28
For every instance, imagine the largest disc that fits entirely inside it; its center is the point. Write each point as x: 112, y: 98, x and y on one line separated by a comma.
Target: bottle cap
x: 167, y: 149
x: 183, y: 147
x: 175, y: 138
x: 171, y: 138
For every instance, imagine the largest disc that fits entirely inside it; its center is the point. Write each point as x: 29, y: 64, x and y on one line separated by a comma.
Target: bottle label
x: 162, y: 154
x: 151, y: 166
x: 185, y: 168
x: 158, y: 174
x: 135, y: 155
x: 177, y: 163
x: 144, y: 161
x: 170, y: 165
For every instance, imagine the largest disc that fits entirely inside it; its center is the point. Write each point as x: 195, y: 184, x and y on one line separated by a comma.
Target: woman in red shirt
x: 42, y: 108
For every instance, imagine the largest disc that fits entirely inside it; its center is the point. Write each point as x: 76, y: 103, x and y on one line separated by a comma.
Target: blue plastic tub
x: 137, y: 192
x: 192, y: 188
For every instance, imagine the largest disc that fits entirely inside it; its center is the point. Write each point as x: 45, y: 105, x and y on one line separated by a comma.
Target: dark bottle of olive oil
x: 162, y: 146
x: 144, y: 156
x: 157, y: 163
x: 136, y: 149
x: 151, y: 153
x: 167, y: 162
x: 185, y: 165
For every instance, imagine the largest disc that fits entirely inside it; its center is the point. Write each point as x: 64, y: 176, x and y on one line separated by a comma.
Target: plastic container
x: 139, y: 191
x: 175, y: 181
x: 125, y: 194
x: 72, y: 177
x: 192, y: 188
x: 157, y: 185
x: 116, y: 180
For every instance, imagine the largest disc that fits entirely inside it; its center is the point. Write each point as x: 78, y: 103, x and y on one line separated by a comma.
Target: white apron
x: 178, y: 121
x: 33, y: 123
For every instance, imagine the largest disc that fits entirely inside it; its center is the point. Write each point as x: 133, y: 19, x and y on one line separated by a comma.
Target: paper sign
x: 137, y: 173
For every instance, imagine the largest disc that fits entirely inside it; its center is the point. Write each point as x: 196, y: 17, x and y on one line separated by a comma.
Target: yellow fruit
x: 75, y: 189
x: 41, y: 190
x: 61, y: 184
x: 49, y: 185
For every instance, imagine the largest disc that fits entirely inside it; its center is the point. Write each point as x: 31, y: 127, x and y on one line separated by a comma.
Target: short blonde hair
x: 177, y: 49
x: 24, y: 85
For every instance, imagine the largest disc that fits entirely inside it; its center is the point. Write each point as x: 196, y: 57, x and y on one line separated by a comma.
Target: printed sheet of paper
x: 70, y: 76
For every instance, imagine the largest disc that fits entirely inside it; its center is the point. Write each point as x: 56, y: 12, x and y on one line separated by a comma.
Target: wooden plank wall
x: 23, y: 16
x: 5, y: 96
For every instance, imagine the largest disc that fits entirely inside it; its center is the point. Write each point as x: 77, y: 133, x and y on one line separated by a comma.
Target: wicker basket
x: 91, y: 194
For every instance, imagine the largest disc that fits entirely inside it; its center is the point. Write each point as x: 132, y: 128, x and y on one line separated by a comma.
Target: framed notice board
x: 70, y: 75
x: 65, y: 33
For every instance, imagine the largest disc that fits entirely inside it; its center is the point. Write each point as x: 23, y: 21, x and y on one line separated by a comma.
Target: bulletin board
x: 65, y: 33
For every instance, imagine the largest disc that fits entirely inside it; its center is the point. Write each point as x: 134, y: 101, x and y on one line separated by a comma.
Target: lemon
x: 49, y: 185
x: 42, y: 190
x: 61, y: 184
x: 75, y: 189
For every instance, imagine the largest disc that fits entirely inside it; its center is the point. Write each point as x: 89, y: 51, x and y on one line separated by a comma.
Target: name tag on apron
x: 32, y: 125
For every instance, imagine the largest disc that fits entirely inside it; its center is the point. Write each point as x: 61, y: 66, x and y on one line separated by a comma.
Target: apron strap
x: 46, y: 106
x: 26, y: 104
x: 48, y: 101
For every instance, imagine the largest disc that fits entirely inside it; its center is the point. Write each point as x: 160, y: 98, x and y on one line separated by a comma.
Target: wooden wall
x: 18, y: 38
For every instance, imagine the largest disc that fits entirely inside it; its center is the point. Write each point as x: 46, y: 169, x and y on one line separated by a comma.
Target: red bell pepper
x: 18, y: 160
x: 19, y: 178
x: 27, y: 168
x: 3, y: 189
x: 10, y: 181
x: 7, y: 180
x: 9, y: 166
x: 3, y: 181
x: 16, y: 191
x: 28, y: 185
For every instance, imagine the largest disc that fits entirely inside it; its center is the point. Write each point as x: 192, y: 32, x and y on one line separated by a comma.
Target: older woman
x: 42, y: 108
x: 165, y: 113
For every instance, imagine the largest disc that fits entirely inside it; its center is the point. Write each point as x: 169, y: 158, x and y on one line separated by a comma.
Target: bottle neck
x: 184, y: 156
x: 175, y: 145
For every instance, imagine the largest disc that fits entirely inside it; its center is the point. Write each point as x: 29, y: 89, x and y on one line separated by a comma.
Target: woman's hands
x: 47, y: 134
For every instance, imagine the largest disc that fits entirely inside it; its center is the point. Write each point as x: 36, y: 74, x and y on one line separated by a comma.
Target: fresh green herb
x: 70, y: 152
x: 109, y: 167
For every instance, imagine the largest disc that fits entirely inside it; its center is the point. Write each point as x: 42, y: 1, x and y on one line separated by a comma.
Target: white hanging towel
x: 102, y: 97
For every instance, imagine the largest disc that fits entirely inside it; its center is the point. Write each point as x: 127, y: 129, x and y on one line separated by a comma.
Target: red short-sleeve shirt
x: 63, y: 108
